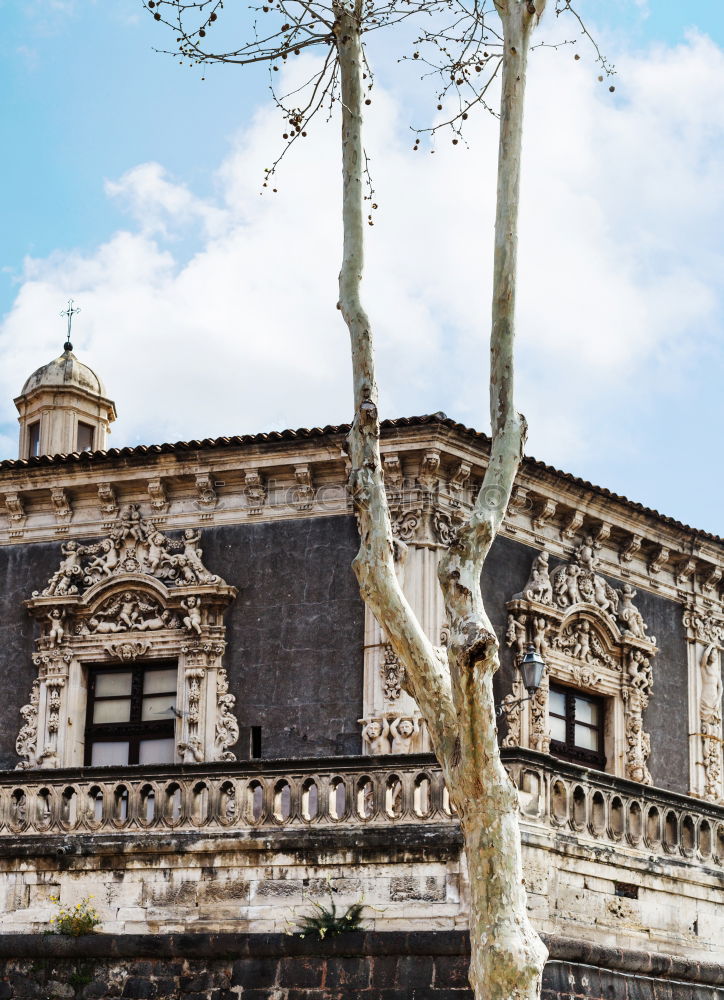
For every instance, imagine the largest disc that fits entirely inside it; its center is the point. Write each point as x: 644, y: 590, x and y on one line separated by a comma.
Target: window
x: 85, y: 437
x: 576, y: 725
x: 131, y: 715
x: 34, y: 439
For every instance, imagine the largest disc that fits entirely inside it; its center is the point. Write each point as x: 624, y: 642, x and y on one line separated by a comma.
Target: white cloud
x: 234, y: 329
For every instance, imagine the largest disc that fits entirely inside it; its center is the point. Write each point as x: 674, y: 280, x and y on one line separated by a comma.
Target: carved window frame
x: 615, y: 665
x: 117, y: 614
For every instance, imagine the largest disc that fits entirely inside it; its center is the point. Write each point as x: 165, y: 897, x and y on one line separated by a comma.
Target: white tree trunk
x: 456, y: 698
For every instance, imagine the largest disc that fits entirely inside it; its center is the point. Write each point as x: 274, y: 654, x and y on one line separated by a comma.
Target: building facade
x: 204, y: 728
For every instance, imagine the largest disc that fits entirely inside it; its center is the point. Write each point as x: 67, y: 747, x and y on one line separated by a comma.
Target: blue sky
x: 132, y: 185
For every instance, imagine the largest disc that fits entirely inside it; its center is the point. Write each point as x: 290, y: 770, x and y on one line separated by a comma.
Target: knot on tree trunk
x: 472, y: 643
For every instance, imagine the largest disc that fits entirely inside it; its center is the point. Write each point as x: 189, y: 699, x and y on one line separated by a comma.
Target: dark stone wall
x: 23, y: 569
x: 386, y: 966
x: 506, y: 572
x: 296, y: 635
x: 295, y: 631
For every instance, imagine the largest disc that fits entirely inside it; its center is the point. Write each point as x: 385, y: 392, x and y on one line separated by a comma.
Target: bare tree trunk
x: 507, y: 954
x: 427, y: 675
x: 456, y: 698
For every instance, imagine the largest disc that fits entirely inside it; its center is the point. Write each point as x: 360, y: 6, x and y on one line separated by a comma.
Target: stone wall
x: 295, y: 631
x: 423, y: 966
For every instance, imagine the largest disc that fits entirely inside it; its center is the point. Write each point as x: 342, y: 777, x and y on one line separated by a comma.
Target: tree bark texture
x: 454, y: 693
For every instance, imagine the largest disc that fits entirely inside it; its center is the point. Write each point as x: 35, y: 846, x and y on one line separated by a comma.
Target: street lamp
x: 531, y: 670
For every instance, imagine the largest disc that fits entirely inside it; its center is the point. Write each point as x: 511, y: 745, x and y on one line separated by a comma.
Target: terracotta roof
x: 309, y: 433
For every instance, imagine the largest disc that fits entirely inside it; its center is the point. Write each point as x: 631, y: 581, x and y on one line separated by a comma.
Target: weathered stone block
x: 352, y: 972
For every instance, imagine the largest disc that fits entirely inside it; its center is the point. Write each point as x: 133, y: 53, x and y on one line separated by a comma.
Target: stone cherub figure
x: 62, y: 580
x: 57, y: 627
x: 192, y: 621
x: 629, y: 615
x: 516, y: 634
x: 539, y: 586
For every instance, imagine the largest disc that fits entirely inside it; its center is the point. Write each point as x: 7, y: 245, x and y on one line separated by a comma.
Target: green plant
x: 326, y: 922
x: 74, y: 920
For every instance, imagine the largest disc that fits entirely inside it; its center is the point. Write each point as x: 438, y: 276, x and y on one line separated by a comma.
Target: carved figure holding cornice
x: 106, y: 562
x: 376, y: 733
x: 402, y: 733
x: 539, y: 588
x: 192, y: 621
x: 60, y: 582
x: 711, y: 688
x: 517, y: 634
x: 56, y: 632
x: 629, y: 615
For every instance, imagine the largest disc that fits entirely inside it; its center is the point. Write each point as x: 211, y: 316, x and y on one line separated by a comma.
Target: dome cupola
x: 63, y: 406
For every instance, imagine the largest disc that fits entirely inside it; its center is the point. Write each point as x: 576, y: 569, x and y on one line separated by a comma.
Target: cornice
x: 291, y: 474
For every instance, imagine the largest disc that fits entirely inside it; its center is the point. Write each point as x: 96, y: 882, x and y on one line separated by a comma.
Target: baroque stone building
x: 205, y: 729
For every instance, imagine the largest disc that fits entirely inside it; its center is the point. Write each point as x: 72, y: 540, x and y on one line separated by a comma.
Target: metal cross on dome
x: 70, y: 312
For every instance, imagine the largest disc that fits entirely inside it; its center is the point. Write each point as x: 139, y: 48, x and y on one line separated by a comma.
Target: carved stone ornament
x: 392, y: 673
x: 206, y: 496
x: 391, y: 733
x: 593, y: 637
x: 710, y: 716
x: 136, y: 594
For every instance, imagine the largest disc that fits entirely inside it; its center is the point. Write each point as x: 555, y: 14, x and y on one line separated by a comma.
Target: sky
x: 133, y: 186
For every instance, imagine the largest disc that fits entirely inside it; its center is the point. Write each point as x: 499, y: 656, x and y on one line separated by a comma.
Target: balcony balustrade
x: 583, y: 804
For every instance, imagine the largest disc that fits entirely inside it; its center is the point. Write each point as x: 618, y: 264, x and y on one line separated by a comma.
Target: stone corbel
x: 429, y: 468
x: 392, y: 471
x: 206, y: 495
x: 710, y: 579
x: 16, y: 512
x: 658, y: 560
x: 157, y: 493
x: 544, y: 514
x: 61, y: 507
x: 107, y: 500
x: 602, y: 533
x: 573, y: 521
x: 630, y: 547
x: 459, y: 479
x: 303, y: 491
x: 254, y: 491
x: 684, y: 571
